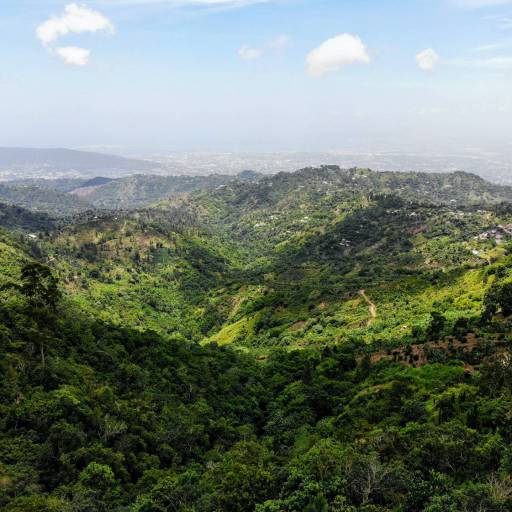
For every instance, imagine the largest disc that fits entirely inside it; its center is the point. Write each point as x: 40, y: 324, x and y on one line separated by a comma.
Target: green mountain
x: 42, y: 200
x: 69, y: 196
x: 459, y: 188
x: 328, y: 340
x: 59, y: 184
x: 142, y: 190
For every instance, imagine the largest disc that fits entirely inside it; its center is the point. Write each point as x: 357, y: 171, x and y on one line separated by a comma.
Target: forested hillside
x: 139, y: 191
x: 323, y: 341
x: 42, y: 200
x: 237, y: 194
x: 69, y: 196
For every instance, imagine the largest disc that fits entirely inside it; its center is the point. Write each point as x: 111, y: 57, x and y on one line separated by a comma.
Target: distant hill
x: 458, y: 188
x: 274, y: 211
x: 65, y: 196
x: 37, y: 199
x: 47, y: 163
x: 59, y: 184
x: 249, y: 191
x: 89, y: 186
x: 96, y: 182
x: 144, y: 190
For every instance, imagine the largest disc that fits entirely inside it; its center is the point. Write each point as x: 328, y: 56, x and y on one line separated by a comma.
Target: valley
x: 329, y: 339
x: 259, y: 258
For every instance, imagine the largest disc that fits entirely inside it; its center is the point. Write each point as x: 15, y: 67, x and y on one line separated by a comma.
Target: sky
x: 256, y: 75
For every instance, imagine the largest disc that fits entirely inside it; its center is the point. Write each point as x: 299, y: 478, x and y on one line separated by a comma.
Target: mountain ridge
x: 47, y: 162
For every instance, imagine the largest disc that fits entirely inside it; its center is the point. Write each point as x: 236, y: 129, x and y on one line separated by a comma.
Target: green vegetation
x: 301, y: 343
x: 141, y: 190
x: 40, y: 200
x: 64, y: 197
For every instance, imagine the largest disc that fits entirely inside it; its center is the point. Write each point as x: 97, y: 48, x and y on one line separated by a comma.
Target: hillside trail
x: 372, y: 308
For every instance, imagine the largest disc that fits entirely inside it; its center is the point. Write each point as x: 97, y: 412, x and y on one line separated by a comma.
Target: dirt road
x: 372, y: 308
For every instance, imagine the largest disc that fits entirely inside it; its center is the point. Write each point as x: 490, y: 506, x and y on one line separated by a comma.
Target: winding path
x: 372, y: 308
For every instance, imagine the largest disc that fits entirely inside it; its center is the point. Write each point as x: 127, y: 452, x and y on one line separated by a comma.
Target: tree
x: 97, y: 489
x: 40, y: 286
x: 241, y: 479
x: 436, y: 325
x: 319, y: 504
x: 37, y: 504
x: 498, y: 296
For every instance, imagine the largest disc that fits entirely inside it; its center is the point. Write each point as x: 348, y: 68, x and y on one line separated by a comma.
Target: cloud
x: 188, y: 3
x: 75, y: 19
x: 278, y: 44
x: 491, y: 64
x: 209, y: 2
x: 427, y: 59
x: 502, y: 21
x: 496, y: 63
x: 505, y: 23
x: 247, y: 53
x: 336, y: 53
x: 74, y: 55
x: 476, y: 4
x: 493, y: 46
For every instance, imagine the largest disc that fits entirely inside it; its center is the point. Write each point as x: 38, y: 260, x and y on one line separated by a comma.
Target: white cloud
x: 211, y: 2
x: 75, y: 19
x: 74, y: 55
x: 190, y: 3
x: 279, y: 43
x: 427, y: 59
x: 336, y: 53
x: 475, y: 4
x: 247, y: 53
x: 505, y: 23
x: 185, y: 2
x: 499, y: 64
x: 493, y: 46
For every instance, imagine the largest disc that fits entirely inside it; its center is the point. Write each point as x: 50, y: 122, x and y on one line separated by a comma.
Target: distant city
x: 493, y: 166
x: 24, y: 163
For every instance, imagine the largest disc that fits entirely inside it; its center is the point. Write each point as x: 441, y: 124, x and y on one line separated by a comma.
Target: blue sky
x: 256, y: 75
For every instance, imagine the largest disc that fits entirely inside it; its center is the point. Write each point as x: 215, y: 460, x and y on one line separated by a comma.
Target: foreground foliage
x: 99, y: 418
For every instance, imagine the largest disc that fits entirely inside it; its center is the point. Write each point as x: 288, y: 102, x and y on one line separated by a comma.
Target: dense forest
x: 325, y: 341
